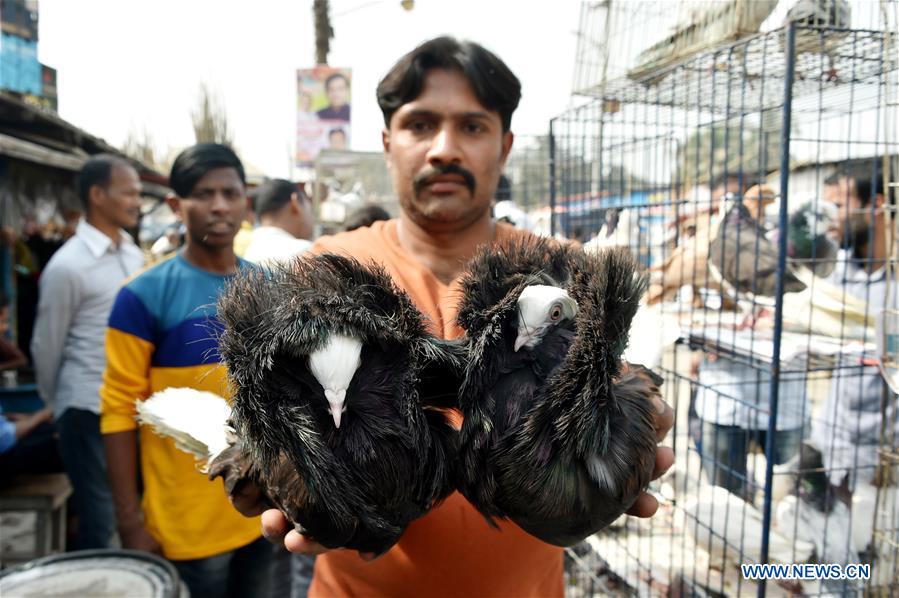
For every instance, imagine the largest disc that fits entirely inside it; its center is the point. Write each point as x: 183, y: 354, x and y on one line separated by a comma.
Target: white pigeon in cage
x: 821, y: 26
x: 830, y: 533
x: 730, y: 530
x: 621, y: 229
x: 651, y: 333
x: 865, y: 503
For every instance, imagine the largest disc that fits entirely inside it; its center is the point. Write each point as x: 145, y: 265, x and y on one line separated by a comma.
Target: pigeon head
x: 334, y: 366
x: 541, y: 307
x: 757, y: 198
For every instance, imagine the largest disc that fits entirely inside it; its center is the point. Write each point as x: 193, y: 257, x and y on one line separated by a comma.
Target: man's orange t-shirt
x: 451, y: 551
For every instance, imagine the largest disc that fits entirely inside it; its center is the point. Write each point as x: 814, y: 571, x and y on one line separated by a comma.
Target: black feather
x: 535, y: 420
x: 391, y: 460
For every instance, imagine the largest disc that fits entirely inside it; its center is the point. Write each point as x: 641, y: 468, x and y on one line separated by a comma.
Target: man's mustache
x: 422, y: 178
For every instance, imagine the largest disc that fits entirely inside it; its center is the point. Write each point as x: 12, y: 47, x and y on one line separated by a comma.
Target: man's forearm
x: 121, y: 462
x: 14, y: 364
x: 27, y: 424
x: 11, y: 357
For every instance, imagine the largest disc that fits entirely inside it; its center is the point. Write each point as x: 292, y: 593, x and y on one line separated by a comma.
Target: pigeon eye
x: 555, y: 313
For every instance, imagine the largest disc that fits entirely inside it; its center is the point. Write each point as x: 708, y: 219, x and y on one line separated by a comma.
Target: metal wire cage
x: 755, y: 183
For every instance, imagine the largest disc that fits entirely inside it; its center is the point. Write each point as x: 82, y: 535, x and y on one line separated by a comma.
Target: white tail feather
x: 196, y: 420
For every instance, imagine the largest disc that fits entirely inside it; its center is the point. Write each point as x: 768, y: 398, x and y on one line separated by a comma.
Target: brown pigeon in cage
x: 557, y: 433
x: 741, y: 255
x: 338, y: 398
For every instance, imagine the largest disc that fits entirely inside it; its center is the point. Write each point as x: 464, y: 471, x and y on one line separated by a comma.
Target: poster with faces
x: 323, y: 111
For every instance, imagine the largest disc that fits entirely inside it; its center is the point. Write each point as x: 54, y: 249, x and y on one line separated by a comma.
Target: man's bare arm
x: 121, y: 462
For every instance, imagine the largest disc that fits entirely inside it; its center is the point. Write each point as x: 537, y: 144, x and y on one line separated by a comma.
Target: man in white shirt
x: 732, y: 403
x: 286, y: 223
x: 77, y: 289
x: 847, y: 430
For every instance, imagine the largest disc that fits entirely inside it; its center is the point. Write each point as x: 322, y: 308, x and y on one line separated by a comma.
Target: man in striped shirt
x: 161, y: 334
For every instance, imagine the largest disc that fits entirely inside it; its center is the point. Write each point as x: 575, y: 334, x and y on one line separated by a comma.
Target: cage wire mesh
x: 753, y: 181
x: 527, y: 170
x: 620, y: 39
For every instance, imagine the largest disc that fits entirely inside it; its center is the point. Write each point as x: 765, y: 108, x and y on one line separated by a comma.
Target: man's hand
x: 646, y: 504
x: 27, y: 422
x: 248, y: 499
x: 243, y: 493
x: 278, y: 530
x: 136, y: 537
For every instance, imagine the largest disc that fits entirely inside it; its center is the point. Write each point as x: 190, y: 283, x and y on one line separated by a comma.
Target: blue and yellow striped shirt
x: 162, y: 333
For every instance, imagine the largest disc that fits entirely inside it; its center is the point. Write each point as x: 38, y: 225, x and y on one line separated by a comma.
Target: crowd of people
x: 110, y: 331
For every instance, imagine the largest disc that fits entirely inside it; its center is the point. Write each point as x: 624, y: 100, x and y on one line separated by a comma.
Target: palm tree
x: 324, y: 33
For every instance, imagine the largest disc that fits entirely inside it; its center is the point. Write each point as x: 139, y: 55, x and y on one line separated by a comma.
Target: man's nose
x: 445, y: 147
x: 219, y: 202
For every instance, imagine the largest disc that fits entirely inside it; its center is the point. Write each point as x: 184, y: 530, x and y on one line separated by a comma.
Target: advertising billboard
x: 323, y: 111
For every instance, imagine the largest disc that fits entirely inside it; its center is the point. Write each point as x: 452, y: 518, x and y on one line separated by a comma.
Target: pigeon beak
x: 521, y: 340
x: 335, y: 400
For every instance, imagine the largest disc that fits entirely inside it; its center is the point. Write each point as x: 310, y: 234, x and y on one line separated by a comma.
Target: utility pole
x: 324, y: 33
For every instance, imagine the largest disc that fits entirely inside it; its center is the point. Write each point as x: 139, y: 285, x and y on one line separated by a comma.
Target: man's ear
x: 249, y: 209
x: 508, y: 138
x: 174, y: 203
x: 295, y: 206
x: 385, y: 141
x: 95, y: 196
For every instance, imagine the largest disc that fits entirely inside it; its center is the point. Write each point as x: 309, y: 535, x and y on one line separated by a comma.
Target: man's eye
x: 420, y: 126
x: 474, y: 128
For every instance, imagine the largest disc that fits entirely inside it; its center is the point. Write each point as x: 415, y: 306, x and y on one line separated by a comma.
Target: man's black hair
x: 334, y: 77
x: 337, y: 130
x: 192, y: 164
x: 495, y: 86
x: 273, y: 195
x: 867, y: 175
x: 365, y: 216
x: 97, y: 171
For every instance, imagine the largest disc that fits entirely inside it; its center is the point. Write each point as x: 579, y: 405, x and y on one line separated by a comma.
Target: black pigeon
x: 745, y: 259
x: 807, y: 241
x: 338, y: 391
x: 558, y: 432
